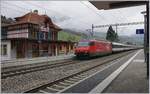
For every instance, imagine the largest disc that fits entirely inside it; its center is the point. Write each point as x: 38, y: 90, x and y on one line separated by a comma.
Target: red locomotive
x: 93, y: 48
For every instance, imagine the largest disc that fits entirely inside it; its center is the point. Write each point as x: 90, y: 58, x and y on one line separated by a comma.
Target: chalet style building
x: 32, y: 35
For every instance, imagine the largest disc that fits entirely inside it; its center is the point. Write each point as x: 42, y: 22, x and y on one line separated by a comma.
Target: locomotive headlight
x: 86, y: 51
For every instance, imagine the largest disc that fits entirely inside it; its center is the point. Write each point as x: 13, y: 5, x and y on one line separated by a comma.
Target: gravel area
x: 12, y: 68
x: 21, y: 83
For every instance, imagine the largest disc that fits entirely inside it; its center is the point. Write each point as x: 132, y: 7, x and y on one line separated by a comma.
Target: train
x: 92, y: 48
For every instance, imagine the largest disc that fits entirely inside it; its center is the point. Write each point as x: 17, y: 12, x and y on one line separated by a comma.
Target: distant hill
x: 100, y: 35
x: 135, y: 39
x: 70, y: 35
x: 76, y: 32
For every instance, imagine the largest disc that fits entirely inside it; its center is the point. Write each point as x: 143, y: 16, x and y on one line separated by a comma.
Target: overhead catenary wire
x: 94, y: 11
x: 15, y: 5
x: 7, y: 7
x: 24, y: 9
x: 55, y: 12
x: 46, y: 9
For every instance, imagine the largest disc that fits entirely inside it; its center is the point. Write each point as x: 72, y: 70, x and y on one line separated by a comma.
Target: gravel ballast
x: 22, y: 83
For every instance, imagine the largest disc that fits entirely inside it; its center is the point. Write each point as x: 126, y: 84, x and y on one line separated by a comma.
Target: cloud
x: 76, y: 14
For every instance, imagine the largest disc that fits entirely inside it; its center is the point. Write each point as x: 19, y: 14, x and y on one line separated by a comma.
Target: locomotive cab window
x: 83, y: 44
x: 91, y: 43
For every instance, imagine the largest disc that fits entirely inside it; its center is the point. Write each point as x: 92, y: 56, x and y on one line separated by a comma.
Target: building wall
x: 18, y: 34
x: 13, y: 53
x: 5, y: 50
x: 66, y: 48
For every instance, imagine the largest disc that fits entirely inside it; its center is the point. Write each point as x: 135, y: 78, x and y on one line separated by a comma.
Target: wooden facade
x: 34, y: 35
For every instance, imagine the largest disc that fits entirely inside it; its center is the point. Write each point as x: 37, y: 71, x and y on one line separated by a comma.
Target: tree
x: 110, y: 34
x: 116, y: 37
x: 5, y: 20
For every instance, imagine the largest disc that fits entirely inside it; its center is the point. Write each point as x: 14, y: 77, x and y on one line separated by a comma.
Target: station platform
x: 127, y: 75
x: 26, y: 61
x: 132, y: 79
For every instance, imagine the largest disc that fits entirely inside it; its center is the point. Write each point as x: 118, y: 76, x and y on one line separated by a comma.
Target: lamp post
x: 92, y: 30
x: 89, y: 30
x: 146, y: 36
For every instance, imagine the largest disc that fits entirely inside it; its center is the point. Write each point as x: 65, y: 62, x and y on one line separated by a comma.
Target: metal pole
x: 92, y: 30
x: 147, y: 36
x: 116, y: 29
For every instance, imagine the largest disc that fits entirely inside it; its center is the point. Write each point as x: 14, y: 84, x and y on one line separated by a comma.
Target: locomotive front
x: 83, y: 48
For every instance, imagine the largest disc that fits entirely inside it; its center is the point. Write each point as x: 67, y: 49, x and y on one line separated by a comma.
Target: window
x: 33, y: 34
x: 46, y: 35
x: 91, y: 44
x: 71, y: 47
x: 4, y: 49
x: 49, y: 35
x: 83, y: 44
x: 60, y: 47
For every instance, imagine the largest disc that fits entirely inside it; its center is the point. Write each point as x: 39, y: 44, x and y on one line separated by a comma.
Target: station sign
x: 139, y: 31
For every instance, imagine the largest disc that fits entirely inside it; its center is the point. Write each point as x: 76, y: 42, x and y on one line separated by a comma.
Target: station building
x: 32, y: 35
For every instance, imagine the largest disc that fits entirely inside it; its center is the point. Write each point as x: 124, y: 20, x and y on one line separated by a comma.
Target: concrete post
x: 56, y: 50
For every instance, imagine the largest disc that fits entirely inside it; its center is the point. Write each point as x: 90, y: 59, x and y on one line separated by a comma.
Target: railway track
x: 60, y: 85
x: 23, y: 69
x: 13, y: 71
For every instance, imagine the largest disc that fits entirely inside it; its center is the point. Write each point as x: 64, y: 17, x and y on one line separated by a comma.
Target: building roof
x: 35, y: 18
x: 17, y: 23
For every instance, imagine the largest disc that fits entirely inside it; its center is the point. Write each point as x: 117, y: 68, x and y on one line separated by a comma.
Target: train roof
x: 89, y: 40
x: 115, y: 43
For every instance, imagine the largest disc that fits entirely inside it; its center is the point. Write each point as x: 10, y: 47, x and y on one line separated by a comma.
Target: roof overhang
x: 116, y: 4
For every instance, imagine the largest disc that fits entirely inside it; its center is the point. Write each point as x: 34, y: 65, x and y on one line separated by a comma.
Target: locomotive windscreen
x: 83, y: 44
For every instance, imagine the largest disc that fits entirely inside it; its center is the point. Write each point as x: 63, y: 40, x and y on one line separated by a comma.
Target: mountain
x: 59, y: 19
x: 134, y: 39
x: 76, y: 32
x: 100, y: 35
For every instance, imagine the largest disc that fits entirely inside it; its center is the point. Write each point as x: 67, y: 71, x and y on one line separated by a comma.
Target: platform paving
x: 25, y: 61
x: 89, y: 83
x: 132, y: 79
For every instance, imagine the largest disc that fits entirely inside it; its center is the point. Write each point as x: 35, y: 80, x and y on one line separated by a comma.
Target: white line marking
x: 54, y: 89
x: 59, y: 86
x: 115, y: 61
x: 77, y: 77
x: 70, y: 81
x: 138, y: 60
x: 112, y: 76
x: 66, y: 84
x: 42, y: 91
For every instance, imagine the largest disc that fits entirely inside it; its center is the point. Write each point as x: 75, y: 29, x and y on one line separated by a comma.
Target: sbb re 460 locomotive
x: 95, y: 47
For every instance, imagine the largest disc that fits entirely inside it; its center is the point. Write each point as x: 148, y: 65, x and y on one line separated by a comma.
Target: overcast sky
x: 79, y: 15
